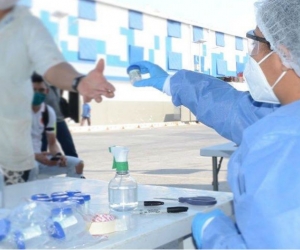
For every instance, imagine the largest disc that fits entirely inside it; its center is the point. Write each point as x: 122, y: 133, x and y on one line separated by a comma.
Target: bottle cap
x: 56, y: 230
x: 72, y: 192
x: 78, y: 200
x: 37, y: 196
x: 61, y: 211
x: 44, y: 199
x: 86, y: 197
x: 58, y: 194
x: 60, y: 198
x: 4, y: 228
x: 19, y: 240
x: 132, y: 67
x: 120, y: 158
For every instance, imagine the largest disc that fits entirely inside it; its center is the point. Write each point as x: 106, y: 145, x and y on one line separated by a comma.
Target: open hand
x: 95, y: 85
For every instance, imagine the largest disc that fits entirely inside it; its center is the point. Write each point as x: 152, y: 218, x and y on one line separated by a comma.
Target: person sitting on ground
x: 44, y: 119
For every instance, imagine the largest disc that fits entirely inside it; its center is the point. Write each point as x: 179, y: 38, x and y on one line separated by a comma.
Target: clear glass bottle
x: 123, y: 189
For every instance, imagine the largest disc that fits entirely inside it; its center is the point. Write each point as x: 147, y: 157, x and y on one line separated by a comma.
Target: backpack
x: 64, y: 107
x: 45, y: 117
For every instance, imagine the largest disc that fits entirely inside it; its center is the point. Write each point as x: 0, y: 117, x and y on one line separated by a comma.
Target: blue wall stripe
x: 129, y: 35
x: 101, y: 47
x: 117, y: 78
x: 156, y: 43
x: 51, y: 26
x: 113, y: 60
x: 73, y: 26
x: 151, y: 55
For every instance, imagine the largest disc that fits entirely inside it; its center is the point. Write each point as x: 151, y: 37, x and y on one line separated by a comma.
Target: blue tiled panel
x: 117, y: 78
x: 196, y: 63
x: 175, y: 61
x: 168, y: 44
x: 151, y: 55
x: 70, y: 56
x: 129, y: 35
x: 87, y: 9
x: 156, y: 43
x: 220, y: 39
x: 115, y: 61
x: 202, y: 63
x: 73, y: 26
x: 135, y: 54
x: 27, y: 3
x: 221, y: 67
x: 168, y: 49
x: 204, y: 49
x: 197, y: 33
x: 87, y: 49
x: 239, y: 43
x: 51, y: 26
x: 174, y: 29
x: 101, y: 47
x: 214, y: 58
x: 135, y: 20
x: 240, y: 67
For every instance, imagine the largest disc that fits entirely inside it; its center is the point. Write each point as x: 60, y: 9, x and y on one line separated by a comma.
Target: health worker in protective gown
x: 264, y: 172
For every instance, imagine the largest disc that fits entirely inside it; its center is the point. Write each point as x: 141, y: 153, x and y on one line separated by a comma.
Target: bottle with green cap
x: 122, y: 189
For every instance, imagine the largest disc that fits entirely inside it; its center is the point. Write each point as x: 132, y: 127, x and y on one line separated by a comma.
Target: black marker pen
x: 153, y: 203
x: 160, y: 210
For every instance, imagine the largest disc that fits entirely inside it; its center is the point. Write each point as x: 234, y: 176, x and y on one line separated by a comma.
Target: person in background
x: 26, y: 46
x: 86, y: 113
x: 52, y: 162
x: 63, y: 134
x: 263, y: 173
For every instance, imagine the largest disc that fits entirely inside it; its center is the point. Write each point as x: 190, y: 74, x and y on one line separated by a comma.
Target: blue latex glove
x: 157, y: 75
x: 200, y: 222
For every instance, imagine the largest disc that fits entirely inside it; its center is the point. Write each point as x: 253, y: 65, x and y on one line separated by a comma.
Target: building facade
x: 87, y: 30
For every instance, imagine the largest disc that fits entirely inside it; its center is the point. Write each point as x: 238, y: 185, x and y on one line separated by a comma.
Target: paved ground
x: 167, y: 156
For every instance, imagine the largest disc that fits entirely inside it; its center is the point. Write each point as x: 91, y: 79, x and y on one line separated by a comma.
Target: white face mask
x: 259, y: 88
x: 6, y: 4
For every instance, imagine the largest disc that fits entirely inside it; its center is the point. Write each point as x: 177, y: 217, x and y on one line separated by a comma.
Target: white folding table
x: 220, y: 150
x: 146, y: 231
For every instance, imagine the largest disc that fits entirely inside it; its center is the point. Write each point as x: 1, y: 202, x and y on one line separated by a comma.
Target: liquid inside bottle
x: 123, y: 193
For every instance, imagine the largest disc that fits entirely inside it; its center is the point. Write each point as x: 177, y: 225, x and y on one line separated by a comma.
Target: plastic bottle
x: 122, y: 188
x: 87, y: 199
x: 134, y: 73
x: 70, y: 221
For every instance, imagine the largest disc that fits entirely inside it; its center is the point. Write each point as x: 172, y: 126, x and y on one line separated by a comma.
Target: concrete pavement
x: 163, y: 154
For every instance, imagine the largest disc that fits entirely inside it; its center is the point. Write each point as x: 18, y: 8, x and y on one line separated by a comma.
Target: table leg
x: 215, y: 173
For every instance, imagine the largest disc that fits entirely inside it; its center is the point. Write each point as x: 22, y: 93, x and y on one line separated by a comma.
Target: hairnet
x: 279, y: 21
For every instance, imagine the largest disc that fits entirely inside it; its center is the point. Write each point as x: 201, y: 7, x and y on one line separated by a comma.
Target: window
x: 220, y: 39
x: 175, y: 61
x: 221, y: 67
x: 174, y: 29
x: 239, y: 43
x: 87, y: 9
x: 135, y: 20
x: 87, y: 49
x: 197, y: 34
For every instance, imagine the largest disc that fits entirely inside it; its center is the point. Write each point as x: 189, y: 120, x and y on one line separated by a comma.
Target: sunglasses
x: 254, y: 43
